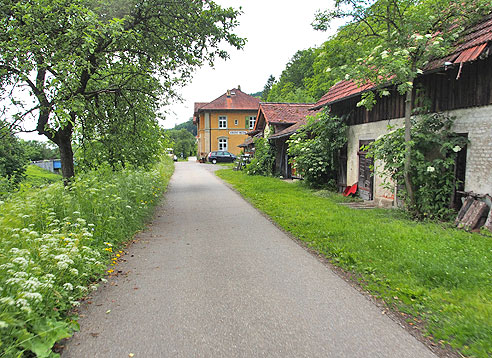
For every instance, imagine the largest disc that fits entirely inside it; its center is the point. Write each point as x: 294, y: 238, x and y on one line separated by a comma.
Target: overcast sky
x: 275, y: 31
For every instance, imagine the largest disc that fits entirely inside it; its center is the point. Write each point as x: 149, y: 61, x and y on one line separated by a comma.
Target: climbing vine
x: 434, y: 151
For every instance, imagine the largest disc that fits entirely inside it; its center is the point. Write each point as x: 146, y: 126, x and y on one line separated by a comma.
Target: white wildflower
x: 22, y: 262
x: 33, y: 296
x: 9, y: 301
x: 431, y: 169
x: 74, y: 271
x: 68, y: 286
x: 456, y: 149
x: 3, y: 324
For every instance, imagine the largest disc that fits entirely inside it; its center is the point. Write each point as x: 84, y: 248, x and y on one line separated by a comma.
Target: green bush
x: 56, y: 243
x: 434, y: 149
x: 263, y: 160
x: 315, y: 149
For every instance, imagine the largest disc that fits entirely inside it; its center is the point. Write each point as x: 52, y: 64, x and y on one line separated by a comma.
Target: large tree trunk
x: 408, y: 148
x: 63, y: 138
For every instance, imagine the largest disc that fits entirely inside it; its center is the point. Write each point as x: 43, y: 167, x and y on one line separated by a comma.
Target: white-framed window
x: 236, y: 122
x: 222, y: 143
x: 251, y: 120
x: 222, y: 122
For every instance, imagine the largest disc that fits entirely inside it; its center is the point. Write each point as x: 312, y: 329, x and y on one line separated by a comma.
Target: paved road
x: 211, y: 277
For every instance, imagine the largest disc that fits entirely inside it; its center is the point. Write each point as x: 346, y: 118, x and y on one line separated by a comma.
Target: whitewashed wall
x: 476, y: 122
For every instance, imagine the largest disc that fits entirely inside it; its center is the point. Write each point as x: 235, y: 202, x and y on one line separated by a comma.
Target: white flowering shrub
x: 55, y: 245
x: 433, y: 161
x: 314, y: 150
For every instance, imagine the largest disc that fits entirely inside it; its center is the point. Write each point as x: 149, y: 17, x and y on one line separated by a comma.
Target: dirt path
x: 211, y: 277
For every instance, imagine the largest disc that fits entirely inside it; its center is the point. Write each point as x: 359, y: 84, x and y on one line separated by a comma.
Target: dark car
x: 221, y: 156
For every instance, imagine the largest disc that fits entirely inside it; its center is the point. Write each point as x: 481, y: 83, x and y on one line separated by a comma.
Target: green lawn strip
x: 440, y: 275
x: 36, y: 176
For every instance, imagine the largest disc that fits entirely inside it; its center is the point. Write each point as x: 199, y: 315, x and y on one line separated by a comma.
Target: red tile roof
x: 342, y: 90
x: 289, y: 130
x: 285, y: 112
x: 234, y: 99
x: 469, y: 48
x: 197, y: 106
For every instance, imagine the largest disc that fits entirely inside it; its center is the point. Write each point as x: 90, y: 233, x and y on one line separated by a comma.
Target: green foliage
x: 315, y: 149
x: 183, y: 142
x: 13, y: 159
x: 434, y: 149
x: 263, y: 160
x: 88, y: 53
x: 36, y: 150
x: 188, y: 125
x: 440, y: 276
x: 290, y: 87
x: 398, y: 38
x: 36, y: 177
x: 267, y: 88
x: 56, y: 243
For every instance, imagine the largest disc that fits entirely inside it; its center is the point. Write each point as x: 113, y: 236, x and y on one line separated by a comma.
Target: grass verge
x: 57, y: 242
x: 36, y: 177
x: 440, y: 277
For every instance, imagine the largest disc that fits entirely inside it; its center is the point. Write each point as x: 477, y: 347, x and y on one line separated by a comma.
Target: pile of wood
x: 475, y: 213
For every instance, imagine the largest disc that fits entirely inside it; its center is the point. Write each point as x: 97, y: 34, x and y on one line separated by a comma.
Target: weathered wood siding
x: 442, y: 90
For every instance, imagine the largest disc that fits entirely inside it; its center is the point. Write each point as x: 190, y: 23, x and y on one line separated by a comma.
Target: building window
x: 251, y: 120
x: 235, y: 122
x: 222, y: 122
x: 222, y: 143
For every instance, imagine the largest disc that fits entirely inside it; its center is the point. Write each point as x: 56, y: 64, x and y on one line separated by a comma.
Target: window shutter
x: 246, y: 122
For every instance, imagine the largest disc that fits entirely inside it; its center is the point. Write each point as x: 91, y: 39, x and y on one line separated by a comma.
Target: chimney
x: 228, y: 93
x: 239, y: 87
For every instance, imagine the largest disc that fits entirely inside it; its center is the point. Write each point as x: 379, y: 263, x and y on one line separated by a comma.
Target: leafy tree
x: 408, y: 33
x: 13, y: 159
x: 267, y: 88
x: 120, y: 128
x: 62, y: 54
x: 183, y: 142
x: 37, y: 150
x: 315, y: 149
x: 188, y: 125
x: 292, y: 79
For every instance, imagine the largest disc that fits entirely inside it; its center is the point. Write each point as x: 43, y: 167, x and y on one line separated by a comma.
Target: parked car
x: 221, y: 156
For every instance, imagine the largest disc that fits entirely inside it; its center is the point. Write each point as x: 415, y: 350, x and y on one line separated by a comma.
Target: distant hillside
x: 188, y: 125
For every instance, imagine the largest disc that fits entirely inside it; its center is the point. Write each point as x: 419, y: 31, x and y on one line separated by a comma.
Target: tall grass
x: 440, y: 276
x: 55, y: 244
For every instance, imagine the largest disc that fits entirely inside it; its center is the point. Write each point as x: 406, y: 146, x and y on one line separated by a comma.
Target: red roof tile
x: 342, y: 90
x: 289, y: 130
x: 468, y: 48
x: 197, y: 106
x: 285, y: 112
x: 234, y: 99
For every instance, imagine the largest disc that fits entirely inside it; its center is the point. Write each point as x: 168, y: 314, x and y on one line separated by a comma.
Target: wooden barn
x: 459, y: 85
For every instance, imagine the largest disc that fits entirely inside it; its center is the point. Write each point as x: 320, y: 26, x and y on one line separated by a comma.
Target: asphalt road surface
x: 212, y: 277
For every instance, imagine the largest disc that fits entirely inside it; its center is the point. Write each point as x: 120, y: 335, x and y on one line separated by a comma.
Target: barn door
x: 366, y: 180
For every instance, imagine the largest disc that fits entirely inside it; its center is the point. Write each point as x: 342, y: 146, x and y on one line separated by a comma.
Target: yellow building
x: 223, y: 124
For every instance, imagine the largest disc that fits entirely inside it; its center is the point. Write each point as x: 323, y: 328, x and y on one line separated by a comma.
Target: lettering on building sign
x: 237, y: 132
